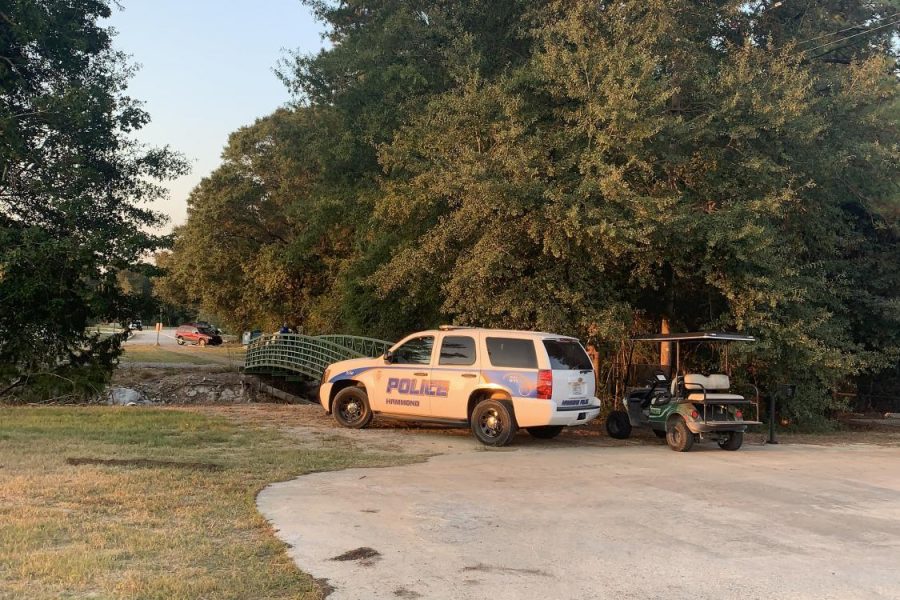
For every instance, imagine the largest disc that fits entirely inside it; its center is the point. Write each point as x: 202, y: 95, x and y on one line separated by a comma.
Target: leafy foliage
x: 588, y: 168
x: 71, y: 183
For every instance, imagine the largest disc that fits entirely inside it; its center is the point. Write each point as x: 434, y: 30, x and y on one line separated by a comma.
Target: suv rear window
x: 511, y: 352
x: 457, y: 350
x: 567, y: 355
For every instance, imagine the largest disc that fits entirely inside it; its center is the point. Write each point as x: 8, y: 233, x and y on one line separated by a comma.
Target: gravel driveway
x: 562, y: 520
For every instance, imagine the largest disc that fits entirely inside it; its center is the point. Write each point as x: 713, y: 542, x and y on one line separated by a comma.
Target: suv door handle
x: 469, y: 375
x: 421, y: 374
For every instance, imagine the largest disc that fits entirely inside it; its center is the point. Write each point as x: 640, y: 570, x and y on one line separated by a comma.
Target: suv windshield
x: 567, y: 355
x: 206, y: 330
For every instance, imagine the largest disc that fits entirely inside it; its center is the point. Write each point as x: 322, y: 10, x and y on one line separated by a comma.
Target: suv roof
x: 537, y: 334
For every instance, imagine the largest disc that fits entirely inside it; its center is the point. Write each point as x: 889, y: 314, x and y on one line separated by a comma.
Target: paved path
x: 148, y: 336
x: 561, y: 520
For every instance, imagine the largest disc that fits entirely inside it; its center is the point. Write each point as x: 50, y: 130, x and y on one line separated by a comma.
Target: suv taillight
x: 545, y: 385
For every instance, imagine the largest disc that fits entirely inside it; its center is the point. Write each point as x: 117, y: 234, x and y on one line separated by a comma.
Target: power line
x: 857, y: 26
x: 852, y: 36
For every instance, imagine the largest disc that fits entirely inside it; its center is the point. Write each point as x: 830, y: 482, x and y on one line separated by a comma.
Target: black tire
x: 679, y: 437
x: 547, y: 432
x: 734, y: 441
x: 180, y: 340
x: 660, y: 433
x: 493, y: 423
x: 350, y: 408
x: 617, y: 425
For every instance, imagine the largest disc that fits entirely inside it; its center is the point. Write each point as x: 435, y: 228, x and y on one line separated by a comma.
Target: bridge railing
x: 307, y: 355
x: 362, y: 345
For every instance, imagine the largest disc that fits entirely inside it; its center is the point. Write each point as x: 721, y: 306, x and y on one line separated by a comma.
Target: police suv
x: 491, y: 380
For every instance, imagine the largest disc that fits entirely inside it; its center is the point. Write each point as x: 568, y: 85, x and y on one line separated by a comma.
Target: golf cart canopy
x: 702, y: 336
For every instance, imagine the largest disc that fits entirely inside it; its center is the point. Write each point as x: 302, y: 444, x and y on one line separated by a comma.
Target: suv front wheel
x: 493, y: 423
x: 351, y: 408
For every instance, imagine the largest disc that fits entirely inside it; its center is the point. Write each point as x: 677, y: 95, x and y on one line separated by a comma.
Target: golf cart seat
x: 709, y: 387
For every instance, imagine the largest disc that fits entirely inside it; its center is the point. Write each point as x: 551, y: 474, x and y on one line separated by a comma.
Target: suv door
x: 406, y: 382
x: 456, y: 370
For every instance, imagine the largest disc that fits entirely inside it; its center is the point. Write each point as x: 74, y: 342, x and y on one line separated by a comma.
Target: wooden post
x: 665, y: 349
x: 595, y: 361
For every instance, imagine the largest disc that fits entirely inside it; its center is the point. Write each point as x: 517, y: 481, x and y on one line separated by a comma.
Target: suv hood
x: 342, y: 369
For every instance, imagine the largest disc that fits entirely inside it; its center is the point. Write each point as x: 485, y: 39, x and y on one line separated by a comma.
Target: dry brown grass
x: 154, y: 523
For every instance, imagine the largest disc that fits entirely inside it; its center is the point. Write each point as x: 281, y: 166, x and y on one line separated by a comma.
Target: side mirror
x: 388, y: 356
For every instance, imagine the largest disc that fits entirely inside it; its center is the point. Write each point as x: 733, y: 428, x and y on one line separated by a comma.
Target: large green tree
x: 72, y: 185
x: 679, y: 160
x: 588, y: 167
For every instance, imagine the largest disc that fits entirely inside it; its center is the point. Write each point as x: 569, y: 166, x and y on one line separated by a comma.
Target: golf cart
x: 684, y: 406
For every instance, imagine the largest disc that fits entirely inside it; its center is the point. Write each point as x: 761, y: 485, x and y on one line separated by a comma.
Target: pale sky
x: 206, y: 70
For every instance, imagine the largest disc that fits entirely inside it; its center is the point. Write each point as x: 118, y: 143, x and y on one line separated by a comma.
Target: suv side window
x: 457, y: 350
x: 416, y: 351
x: 511, y: 352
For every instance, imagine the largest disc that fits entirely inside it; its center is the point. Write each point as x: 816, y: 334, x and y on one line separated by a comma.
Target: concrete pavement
x: 148, y: 336
x: 557, y: 520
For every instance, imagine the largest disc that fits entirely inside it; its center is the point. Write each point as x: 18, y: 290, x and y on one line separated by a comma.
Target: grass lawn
x: 175, y: 517
x: 210, y: 355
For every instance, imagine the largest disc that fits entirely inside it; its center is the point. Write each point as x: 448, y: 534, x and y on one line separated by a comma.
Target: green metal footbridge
x: 292, y: 354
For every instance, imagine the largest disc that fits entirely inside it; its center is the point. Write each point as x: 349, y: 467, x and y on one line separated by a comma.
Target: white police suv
x: 491, y: 380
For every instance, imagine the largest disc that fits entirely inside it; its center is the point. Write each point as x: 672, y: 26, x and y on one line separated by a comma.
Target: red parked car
x: 198, y: 335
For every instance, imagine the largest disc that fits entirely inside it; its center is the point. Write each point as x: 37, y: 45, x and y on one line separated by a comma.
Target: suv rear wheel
x: 351, y: 408
x: 547, y: 432
x: 180, y: 340
x: 493, y: 423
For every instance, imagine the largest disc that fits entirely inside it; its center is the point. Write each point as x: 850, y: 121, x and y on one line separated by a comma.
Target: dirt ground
x: 179, y: 386
x: 585, y: 516
x: 414, y: 438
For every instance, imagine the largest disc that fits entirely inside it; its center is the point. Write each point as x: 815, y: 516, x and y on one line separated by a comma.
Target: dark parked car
x: 136, y: 325
x: 200, y: 336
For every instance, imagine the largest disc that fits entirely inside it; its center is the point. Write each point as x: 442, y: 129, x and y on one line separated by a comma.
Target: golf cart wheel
x: 493, y: 423
x: 180, y: 340
x: 617, y: 425
x: 351, y: 408
x: 679, y: 437
x: 201, y: 342
x: 733, y: 442
x: 548, y: 432
x: 660, y: 433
